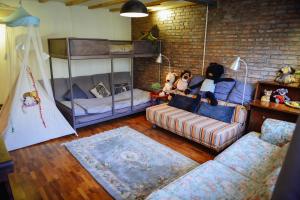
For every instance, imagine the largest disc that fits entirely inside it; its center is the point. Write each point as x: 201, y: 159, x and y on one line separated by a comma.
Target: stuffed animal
x: 279, y: 96
x: 182, y: 83
x: 267, y: 96
x: 30, y: 99
x: 286, y: 75
x: 170, y: 79
x: 207, y: 87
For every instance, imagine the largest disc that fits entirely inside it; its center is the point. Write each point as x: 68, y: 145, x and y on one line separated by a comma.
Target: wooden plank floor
x: 49, y: 171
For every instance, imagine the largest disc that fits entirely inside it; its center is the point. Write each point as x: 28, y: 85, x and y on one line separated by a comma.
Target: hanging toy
x: 32, y: 98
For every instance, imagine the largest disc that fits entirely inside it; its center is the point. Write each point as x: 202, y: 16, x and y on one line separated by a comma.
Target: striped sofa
x: 211, y: 133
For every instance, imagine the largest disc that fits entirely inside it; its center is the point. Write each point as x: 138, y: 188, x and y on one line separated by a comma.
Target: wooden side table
x: 262, y: 110
x: 6, y: 167
x: 259, y: 110
x: 156, y: 99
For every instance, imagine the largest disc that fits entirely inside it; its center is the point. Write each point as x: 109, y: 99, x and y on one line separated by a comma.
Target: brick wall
x: 264, y: 33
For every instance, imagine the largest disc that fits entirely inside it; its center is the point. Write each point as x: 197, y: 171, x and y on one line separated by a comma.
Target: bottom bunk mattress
x: 93, y: 106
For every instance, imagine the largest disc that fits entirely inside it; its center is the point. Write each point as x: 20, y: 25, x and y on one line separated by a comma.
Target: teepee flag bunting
x: 29, y: 115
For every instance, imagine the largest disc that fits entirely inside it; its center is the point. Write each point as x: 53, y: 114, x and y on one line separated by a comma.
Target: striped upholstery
x: 210, y: 132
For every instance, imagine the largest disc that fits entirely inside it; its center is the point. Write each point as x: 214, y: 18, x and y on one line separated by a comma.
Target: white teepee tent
x: 29, y: 115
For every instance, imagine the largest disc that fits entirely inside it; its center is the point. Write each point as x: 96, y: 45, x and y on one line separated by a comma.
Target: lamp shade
x: 236, y: 64
x: 134, y: 8
x: 159, y: 59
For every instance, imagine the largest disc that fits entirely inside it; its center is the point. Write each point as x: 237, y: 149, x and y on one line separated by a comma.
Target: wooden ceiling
x: 115, y: 5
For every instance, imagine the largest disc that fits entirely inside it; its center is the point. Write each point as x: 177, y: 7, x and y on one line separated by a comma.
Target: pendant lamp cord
x: 20, y: 3
x: 204, y: 43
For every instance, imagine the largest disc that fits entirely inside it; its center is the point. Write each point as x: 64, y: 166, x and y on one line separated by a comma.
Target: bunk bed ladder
x: 131, y: 83
x: 112, y: 85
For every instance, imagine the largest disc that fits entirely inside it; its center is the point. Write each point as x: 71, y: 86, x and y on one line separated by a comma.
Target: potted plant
x: 155, y: 88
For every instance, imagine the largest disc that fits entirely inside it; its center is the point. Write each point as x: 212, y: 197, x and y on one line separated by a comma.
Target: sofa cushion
x: 100, y: 90
x: 61, y: 87
x: 104, y: 78
x: 78, y: 93
x: 210, y: 180
x: 236, y: 95
x: 209, y: 132
x: 195, y: 80
x: 121, y: 87
x: 240, y: 112
x: 277, y: 132
x: 85, y: 83
x: 251, y: 157
x: 266, y: 191
x: 219, y: 112
x: 185, y: 103
x: 223, y: 89
x: 121, y: 77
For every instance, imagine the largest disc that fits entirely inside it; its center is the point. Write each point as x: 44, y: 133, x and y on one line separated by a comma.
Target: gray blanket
x: 101, y: 105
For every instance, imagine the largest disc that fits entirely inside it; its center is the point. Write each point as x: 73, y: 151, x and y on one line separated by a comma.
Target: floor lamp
x: 159, y: 60
x: 236, y: 66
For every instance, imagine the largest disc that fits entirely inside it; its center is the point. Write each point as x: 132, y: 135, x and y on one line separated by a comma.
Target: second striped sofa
x: 211, y: 133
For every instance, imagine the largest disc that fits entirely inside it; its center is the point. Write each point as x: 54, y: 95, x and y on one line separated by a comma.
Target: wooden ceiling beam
x: 208, y: 2
x: 75, y: 2
x: 155, y: 3
x: 107, y: 4
x: 149, y: 4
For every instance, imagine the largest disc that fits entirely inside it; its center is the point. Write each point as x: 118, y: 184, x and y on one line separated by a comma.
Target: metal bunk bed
x: 85, y: 49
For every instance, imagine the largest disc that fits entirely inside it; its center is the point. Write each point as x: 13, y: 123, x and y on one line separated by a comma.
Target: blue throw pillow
x: 223, y: 89
x: 236, y: 94
x: 221, y: 113
x: 78, y: 93
x: 185, y: 103
x: 195, y: 80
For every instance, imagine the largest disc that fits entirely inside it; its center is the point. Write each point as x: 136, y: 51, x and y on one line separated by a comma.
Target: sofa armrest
x: 277, y: 132
x: 240, y: 114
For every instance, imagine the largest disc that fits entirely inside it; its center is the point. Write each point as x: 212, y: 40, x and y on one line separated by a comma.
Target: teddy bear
x: 279, y: 96
x: 207, y: 87
x: 286, y: 75
x: 182, y: 83
x: 170, y: 79
x: 267, y: 96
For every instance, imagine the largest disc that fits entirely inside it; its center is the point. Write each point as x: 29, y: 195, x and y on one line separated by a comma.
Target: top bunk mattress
x: 102, y: 105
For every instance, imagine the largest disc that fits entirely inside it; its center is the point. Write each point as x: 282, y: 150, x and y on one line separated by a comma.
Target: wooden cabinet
x: 259, y: 110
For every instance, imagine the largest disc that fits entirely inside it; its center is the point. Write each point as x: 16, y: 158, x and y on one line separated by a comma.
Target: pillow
x: 100, y: 91
x: 122, y: 87
x: 185, y: 103
x: 78, y: 93
x: 221, y: 113
x: 277, y: 132
x: 236, y: 94
x: 223, y: 89
x: 194, y: 81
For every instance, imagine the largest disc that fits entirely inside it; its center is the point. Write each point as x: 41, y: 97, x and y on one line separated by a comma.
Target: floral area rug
x: 128, y: 164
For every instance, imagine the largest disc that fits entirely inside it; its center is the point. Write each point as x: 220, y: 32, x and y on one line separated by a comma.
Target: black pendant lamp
x: 134, y: 8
